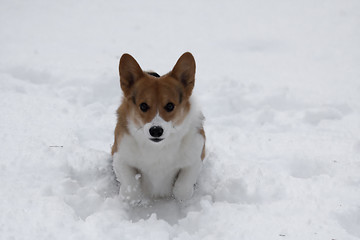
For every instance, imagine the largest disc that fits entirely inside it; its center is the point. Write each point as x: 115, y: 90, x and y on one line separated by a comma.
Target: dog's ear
x: 130, y: 71
x: 184, y: 71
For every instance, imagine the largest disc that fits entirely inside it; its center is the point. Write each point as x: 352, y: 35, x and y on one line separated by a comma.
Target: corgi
x: 159, y: 139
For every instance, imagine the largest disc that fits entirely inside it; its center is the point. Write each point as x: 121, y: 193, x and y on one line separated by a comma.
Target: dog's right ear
x: 130, y: 71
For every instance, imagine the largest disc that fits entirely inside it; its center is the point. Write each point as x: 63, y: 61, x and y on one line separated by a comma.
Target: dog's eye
x: 144, y: 107
x: 169, y: 107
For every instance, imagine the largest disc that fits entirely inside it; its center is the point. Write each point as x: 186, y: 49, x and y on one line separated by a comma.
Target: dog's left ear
x: 184, y: 71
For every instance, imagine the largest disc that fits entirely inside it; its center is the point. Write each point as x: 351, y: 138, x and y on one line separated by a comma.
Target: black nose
x: 156, y: 131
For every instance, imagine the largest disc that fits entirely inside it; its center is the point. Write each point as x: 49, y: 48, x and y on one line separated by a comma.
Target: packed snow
x: 279, y: 85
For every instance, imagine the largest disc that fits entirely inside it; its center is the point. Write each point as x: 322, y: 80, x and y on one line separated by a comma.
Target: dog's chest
x: 154, y: 160
x: 158, y: 168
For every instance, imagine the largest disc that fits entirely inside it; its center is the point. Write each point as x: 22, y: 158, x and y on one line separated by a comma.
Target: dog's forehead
x: 168, y: 89
x: 155, y: 90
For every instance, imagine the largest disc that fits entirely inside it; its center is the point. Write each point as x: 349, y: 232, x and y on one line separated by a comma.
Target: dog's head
x: 156, y: 105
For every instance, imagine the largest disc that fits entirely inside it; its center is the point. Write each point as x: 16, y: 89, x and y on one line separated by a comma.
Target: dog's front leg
x: 130, y: 189
x: 184, y: 185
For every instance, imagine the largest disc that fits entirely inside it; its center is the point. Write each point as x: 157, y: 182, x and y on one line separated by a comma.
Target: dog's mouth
x: 156, y: 139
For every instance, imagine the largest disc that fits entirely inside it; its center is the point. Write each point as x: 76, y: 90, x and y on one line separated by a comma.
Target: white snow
x: 279, y: 84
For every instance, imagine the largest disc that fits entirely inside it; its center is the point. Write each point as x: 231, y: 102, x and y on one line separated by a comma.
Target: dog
x: 159, y: 139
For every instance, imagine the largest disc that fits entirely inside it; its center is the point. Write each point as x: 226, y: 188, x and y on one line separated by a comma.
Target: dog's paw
x: 183, y: 192
x: 131, y: 194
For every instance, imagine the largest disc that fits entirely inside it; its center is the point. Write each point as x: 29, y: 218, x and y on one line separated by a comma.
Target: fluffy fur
x: 159, y: 137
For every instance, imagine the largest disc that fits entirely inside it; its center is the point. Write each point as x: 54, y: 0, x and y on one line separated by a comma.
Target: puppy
x: 159, y: 137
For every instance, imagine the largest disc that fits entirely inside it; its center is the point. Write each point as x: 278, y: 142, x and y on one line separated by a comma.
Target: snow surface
x: 279, y: 82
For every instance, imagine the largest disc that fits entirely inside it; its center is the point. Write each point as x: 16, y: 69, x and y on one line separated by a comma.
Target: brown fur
x: 139, y: 87
x: 121, y: 127
x: 156, y: 93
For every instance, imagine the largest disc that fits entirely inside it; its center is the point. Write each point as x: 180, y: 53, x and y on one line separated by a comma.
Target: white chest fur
x: 159, y: 170
x: 158, y: 166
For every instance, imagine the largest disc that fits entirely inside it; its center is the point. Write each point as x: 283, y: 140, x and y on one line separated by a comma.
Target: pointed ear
x: 184, y: 71
x: 129, y: 71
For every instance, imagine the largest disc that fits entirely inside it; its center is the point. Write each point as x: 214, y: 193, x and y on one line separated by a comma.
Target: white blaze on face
x: 159, y: 122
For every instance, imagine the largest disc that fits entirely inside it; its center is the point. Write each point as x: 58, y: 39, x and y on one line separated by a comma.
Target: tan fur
x: 121, y: 127
x: 139, y: 87
x: 156, y: 93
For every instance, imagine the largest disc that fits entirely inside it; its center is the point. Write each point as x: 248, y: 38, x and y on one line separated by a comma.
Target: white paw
x: 183, y: 192
x: 131, y: 194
